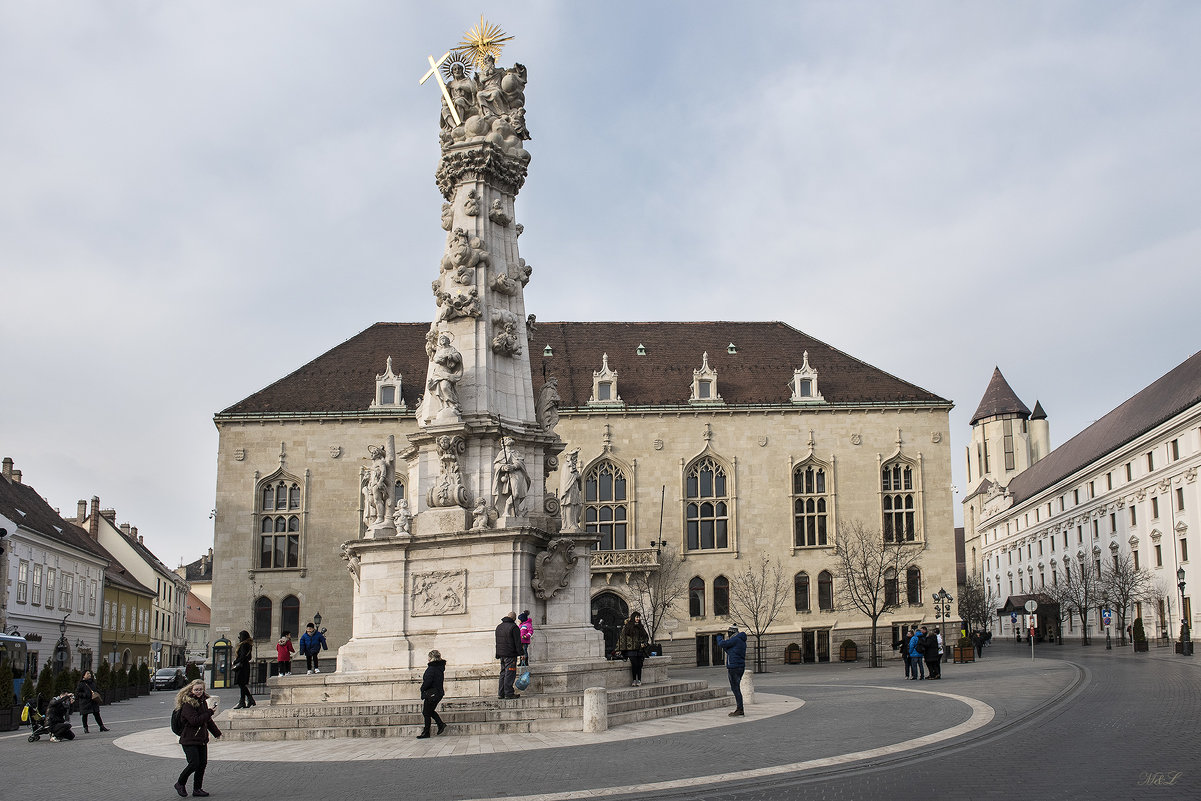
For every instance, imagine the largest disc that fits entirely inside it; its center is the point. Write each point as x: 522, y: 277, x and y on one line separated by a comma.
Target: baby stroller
x: 33, y: 715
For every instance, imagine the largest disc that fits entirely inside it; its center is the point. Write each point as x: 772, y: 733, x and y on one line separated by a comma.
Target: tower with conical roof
x: 1007, y: 438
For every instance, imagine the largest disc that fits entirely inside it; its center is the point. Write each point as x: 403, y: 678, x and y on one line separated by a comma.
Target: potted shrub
x: 28, y: 692
x: 848, y: 651
x: 102, y: 680
x: 131, y: 680
x: 144, y: 678
x: 191, y: 672
x: 964, y: 650
x: 45, y: 685
x: 121, y: 681
x: 1140, y: 636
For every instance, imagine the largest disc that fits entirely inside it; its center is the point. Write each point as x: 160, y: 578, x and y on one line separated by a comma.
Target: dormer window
x: 604, y: 384
x: 387, y: 389
x: 804, y: 383
x: 641, y: 351
x: 704, y: 383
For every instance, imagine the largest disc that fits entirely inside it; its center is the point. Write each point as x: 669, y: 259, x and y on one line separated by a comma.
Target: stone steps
x: 530, y: 713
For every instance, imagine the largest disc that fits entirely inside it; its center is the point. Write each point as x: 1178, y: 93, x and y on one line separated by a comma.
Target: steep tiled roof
x: 343, y: 379
x: 21, y: 504
x: 999, y: 399
x: 1165, y: 398
x: 198, y: 613
x: 1038, y: 413
x: 200, y: 570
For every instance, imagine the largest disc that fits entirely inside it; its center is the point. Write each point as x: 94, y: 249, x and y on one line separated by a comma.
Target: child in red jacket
x: 283, y: 653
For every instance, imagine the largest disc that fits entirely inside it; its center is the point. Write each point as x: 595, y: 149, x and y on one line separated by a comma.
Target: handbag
x: 523, y: 681
x: 95, y: 696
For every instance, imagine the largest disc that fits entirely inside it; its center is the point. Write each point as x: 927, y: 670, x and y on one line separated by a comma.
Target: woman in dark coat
x: 89, y: 700
x: 431, y: 693
x: 634, y: 640
x: 242, y: 657
x: 197, y: 718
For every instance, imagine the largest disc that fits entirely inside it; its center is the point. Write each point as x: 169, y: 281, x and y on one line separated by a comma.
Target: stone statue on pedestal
x: 443, y: 383
x: 510, y: 479
x: 381, y: 486
x: 570, y: 489
x: 548, y: 405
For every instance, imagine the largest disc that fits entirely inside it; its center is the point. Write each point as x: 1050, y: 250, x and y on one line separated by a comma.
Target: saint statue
x: 570, y: 489
x: 510, y: 479
x: 448, y: 369
x: 381, y: 482
x: 547, y: 410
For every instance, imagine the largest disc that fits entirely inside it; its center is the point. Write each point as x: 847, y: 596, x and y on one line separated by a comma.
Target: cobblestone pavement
x: 1076, y: 723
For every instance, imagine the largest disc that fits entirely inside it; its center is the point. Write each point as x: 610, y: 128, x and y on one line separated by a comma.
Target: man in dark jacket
x: 58, y: 715
x: 432, y: 690
x: 508, y: 648
x: 734, y: 644
x: 932, y: 653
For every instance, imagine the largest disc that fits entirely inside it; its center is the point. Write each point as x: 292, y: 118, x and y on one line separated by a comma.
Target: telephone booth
x: 222, y: 660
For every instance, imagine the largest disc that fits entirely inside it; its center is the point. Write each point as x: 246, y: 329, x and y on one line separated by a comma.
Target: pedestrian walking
x: 242, y: 657
x: 312, y: 643
x: 58, y: 718
x: 931, y: 653
x: 283, y: 653
x: 902, y: 646
x: 734, y: 644
x: 978, y: 641
x: 89, y: 700
x: 508, y: 649
x: 526, y: 626
x: 432, y: 690
x: 196, y: 716
x: 917, y: 644
x: 633, y: 641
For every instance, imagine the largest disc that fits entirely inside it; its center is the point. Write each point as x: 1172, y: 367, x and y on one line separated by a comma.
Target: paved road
x: 1077, y: 723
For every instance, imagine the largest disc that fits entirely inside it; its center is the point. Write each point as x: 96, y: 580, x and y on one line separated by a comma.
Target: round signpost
x: 1031, y: 608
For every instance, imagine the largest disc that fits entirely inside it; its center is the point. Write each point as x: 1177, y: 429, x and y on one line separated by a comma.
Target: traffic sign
x: 1031, y: 605
x: 1013, y: 617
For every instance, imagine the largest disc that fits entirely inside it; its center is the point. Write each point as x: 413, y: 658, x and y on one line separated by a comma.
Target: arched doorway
x: 609, y: 612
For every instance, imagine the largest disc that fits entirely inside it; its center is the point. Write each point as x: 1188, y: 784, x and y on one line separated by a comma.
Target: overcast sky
x: 198, y: 197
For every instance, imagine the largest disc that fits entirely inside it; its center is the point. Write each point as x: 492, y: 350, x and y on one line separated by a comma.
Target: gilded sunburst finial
x: 485, y: 39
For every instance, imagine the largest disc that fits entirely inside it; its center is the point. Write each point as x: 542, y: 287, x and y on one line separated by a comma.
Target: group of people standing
x: 922, y: 652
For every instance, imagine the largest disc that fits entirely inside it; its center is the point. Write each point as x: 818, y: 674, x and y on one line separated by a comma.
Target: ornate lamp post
x: 62, y: 648
x: 942, y: 612
x: 1186, y: 646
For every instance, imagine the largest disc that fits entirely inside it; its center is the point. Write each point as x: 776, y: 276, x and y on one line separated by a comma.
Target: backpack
x: 176, y: 722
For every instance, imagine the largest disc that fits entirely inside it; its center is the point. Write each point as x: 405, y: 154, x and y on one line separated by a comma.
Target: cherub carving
x: 496, y: 213
x: 448, y: 216
x: 471, y: 206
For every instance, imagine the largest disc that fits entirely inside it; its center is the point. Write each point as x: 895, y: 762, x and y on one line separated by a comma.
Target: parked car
x: 168, y: 679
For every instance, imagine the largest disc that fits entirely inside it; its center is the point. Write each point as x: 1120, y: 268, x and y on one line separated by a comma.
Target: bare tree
x: 867, y: 570
x: 975, y: 603
x: 1123, y: 585
x: 757, y: 594
x: 1080, y: 592
x: 657, y: 591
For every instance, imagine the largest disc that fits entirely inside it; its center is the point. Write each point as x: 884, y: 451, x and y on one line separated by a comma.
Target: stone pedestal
x: 448, y: 590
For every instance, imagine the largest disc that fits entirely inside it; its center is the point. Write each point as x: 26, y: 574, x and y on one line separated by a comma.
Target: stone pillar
x: 596, y: 709
x: 747, y: 685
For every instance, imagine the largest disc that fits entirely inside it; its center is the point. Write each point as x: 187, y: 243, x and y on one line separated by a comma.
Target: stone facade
x: 758, y: 434
x: 1125, y: 486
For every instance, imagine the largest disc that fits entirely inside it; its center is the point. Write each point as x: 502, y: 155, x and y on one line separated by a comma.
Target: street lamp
x: 1186, y: 647
x: 62, y: 647
x: 317, y: 621
x: 942, y: 611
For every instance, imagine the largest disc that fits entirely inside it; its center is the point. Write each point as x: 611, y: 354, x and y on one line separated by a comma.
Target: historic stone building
x: 1124, y: 486
x: 717, y: 440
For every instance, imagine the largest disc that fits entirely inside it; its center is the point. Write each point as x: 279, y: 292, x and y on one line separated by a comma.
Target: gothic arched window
x: 696, y: 597
x: 913, y: 586
x: 800, y: 591
x: 809, y: 506
x: 891, y: 594
x: 721, y: 596
x: 707, y: 513
x: 289, y: 615
x: 896, y: 486
x: 825, y: 591
x: 605, y: 511
x: 262, y: 618
x: 281, y: 508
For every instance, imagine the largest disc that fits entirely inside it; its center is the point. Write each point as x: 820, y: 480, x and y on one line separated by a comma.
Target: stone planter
x: 1141, y: 646
x: 848, y: 652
